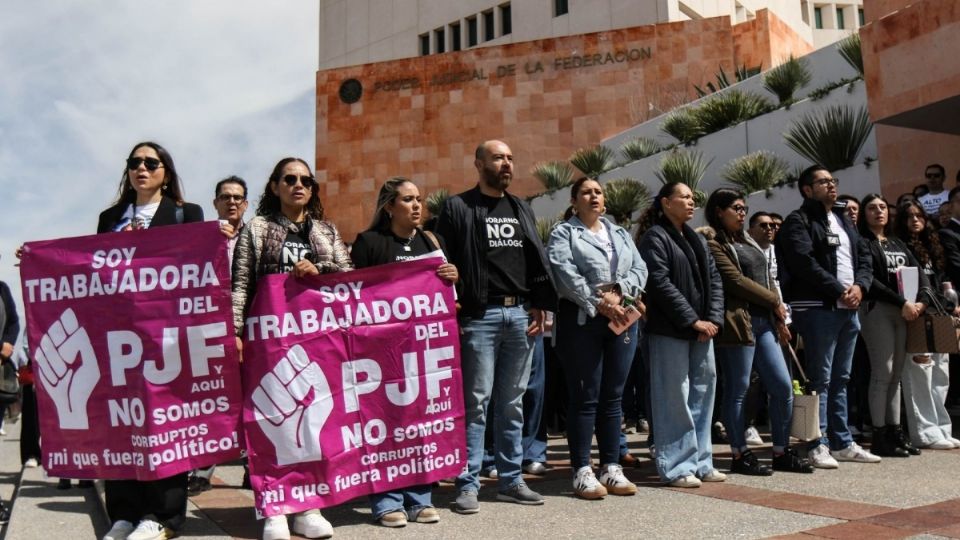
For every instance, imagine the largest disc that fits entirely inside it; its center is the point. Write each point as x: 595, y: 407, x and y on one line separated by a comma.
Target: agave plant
x: 850, y: 49
x: 758, y: 171
x: 683, y: 125
x: 729, y: 108
x: 594, y: 161
x: 639, y: 148
x: 435, y: 201
x: 554, y: 175
x: 623, y: 197
x: 741, y: 73
x: 686, y: 167
x: 832, y: 139
x: 786, y: 79
x: 545, y: 227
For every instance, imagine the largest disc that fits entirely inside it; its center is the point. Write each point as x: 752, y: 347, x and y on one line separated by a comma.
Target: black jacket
x: 10, y: 321
x: 677, y: 297
x: 166, y: 214
x: 373, y: 247
x: 463, y: 224
x: 883, y: 288
x: 950, y: 240
x: 808, y: 264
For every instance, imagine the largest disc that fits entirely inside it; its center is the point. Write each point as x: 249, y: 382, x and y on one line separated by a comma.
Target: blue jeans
x: 596, y: 363
x: 409, y: 499
x: 683, y: 379
x: 829, y: 337
x: 767, y: 358
x: 495, y: 355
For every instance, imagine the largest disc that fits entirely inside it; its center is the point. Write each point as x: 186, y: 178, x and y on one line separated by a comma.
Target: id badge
x: 833, y: 240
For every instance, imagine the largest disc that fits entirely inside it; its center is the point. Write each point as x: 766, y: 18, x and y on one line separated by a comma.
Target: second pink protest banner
x: 131, y: 336
x: 352, y: 385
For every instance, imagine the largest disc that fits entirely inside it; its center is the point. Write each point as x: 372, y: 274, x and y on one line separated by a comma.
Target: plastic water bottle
x: 951, y: 295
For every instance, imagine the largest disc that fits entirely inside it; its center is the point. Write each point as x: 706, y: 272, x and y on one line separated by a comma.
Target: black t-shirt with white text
x: 296, y: 248
x: 506, y: 261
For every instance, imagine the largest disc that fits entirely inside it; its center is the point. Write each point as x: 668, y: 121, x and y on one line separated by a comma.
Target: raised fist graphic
x: 68, y: 369
x: 281, y: 410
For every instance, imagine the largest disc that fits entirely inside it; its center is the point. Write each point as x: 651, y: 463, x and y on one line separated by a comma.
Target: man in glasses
x: 763, y: 230
x: 935, y: 174
x: 824, y: 273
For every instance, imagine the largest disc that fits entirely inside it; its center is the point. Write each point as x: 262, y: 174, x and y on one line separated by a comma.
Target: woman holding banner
x: 288, y: 235
x: 395, y: 235
x: 150, y: 196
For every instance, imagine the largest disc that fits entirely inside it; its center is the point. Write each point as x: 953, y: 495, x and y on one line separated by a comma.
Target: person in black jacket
x: 505, y: 290
x: 9, y: 329
x: 150, y: 196
x: 684, y: 314
x: 825, y: 272
x: 884, y: 315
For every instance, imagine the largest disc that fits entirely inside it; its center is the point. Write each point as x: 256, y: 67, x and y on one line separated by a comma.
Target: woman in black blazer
x: 149, y: 196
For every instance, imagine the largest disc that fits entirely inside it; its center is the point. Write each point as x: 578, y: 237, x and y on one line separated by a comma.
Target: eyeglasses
x: 740, y: 209
x: 767, y: 226
x: 226, y: 197
x: 827, y: 182
x: 306, y: 181
x: 150, y: 163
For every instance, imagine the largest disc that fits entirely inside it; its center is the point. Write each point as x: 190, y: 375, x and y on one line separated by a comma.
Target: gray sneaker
x: 520, y: 494
x: 466, y: 503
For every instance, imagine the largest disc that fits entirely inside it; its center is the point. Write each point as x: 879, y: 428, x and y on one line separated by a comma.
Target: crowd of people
x: 684, y: 329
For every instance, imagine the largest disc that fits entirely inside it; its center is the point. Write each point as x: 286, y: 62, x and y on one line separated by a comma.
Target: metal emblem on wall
x: 350, y: 91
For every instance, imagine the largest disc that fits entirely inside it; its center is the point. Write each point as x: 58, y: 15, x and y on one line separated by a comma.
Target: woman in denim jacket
x: 594, y: 263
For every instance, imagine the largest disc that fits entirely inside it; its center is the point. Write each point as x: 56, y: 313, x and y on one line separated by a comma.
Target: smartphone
x: 633, y: 314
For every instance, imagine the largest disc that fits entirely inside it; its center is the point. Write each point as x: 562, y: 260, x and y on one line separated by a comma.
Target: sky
x: 226, y: 86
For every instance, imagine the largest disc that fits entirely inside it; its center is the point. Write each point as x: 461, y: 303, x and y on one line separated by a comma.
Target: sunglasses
x: 767, y: 226
x: 306, y: 181
x: 226, y: 197
x: 150, y: 163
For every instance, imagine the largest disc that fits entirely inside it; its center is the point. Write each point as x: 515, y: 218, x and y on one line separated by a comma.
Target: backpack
x: 9, y: 386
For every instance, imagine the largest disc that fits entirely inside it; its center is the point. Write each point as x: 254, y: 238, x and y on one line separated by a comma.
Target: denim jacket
x: 579, y: 264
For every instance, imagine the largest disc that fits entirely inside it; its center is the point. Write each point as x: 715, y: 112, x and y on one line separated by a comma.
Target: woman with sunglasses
x: 288, y: 235
x: 926, y: 377
x: 754, y: 320
x: 395, y: 235
x: 684, y: 314
x: 884, y: 314
x: 150, y: 196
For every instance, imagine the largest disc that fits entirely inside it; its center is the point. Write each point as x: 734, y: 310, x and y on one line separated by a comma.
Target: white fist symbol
x: 278, y: 405
x: 68, y: 369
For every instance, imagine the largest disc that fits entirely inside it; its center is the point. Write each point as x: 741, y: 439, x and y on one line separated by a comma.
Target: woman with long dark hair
x: 926, y: 377
x: 595, y: 265
x: 150, y: 195
x: 288, y: 235
x: 754, y: 321
x: 685, y: 313
x: 883, y: 318
x: 395, y: 235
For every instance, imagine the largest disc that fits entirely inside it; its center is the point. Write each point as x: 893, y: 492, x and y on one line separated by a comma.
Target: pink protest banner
x: 132, y: 340
x: 352, y: 385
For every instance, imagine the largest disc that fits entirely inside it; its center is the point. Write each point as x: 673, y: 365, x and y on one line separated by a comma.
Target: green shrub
x: 851, y: 51
x: 554, y: 175
x: 832, y: 139
x: 754, y: 172
x: 623, y: 197
x: 435, y: 201
x: 594, y: 161
x: 683, y: 125
x: 788, y: 78
x: 687, y: 167
x: 545, y: 227
x: 639, y: 148
x: 729, y: 108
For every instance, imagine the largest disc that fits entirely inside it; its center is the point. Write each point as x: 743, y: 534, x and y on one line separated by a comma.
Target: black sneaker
x: 85, y: 484
x: 4, y: 513
x: 901, y: 440
x: 520, y: 494
x: 748, y: 463
x: 64, y: 483
x: 790, y: 461
x: 197, y: 485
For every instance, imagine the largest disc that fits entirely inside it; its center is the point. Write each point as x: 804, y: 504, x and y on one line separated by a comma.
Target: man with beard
x: 504, y: 291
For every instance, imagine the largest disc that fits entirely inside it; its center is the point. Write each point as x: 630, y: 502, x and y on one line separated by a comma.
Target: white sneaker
x: 820, y: 458
x: 120, y: 530
x: 855, y: 453
x: 586, y: 486
x: 148, y: 530
x: 3, y: 431
x: 32, y: 462
x: 753, y: 437
x: 714, y: 476
x: 312, y: 525
x: 615, y: 482
x: 942, y: 444
x: 956, y: 442
x: 276, y: 528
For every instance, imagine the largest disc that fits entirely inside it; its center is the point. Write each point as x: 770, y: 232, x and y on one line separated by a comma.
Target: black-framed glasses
x: 767, y: 226
x: 740, y: 209
x: 827, y: 182
x: 150, y: 163
x: 306, y: 181
x: 226, y: 197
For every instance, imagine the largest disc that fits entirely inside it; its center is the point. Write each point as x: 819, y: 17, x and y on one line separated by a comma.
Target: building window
x: 840, y: 23
x: 424, y: 44
x: 455, y: 37
x: 439, y: 36
x: 472, y: 32
x: 860, y: 15
x: 488, y: 29
x: 560, y: 7
x: 818, y: 18
x: 506, y: 25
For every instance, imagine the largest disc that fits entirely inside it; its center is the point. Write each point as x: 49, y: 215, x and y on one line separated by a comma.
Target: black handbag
x: 9, y: 385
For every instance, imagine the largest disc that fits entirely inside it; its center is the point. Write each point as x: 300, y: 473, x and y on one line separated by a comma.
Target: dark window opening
x: 454, y: 37
x: 560, y: 7
x: 860, y: 14
x: 438, y: 36
x: 840, y: 23
x: 424, y: 44
x: 472, y: 32
x: 818, y: 18
x: 506, y: 25
x: 488, y: 29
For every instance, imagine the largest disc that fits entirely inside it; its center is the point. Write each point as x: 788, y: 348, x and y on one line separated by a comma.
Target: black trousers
x: 30, y: 428
x: 163, y: 501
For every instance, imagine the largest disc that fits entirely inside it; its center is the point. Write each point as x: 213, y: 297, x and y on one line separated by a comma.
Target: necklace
x: 406, y: 245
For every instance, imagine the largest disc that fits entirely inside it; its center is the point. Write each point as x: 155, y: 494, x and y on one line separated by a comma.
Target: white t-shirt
x: 844, y: 255
x: 137, y: 217
x: 931, y: 203
x: 606, y: 242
